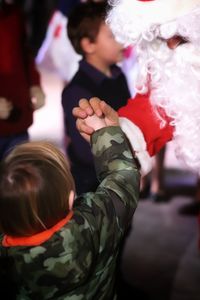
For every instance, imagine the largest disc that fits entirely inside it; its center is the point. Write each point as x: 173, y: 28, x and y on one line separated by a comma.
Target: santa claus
x: 166, y: 37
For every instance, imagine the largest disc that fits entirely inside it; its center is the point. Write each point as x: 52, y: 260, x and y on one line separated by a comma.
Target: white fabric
x: 129, y: 19
x: 56, y: 53
x: 129, y: 67
x: 174, y: 84
x: 136, y: 139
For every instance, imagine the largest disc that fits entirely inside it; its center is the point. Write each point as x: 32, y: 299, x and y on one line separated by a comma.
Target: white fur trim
x: 129, y: 19
x: 158, y: 11
x: 136, y: 138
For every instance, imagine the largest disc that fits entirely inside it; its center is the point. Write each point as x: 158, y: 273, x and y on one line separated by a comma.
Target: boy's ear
x: 71, y: 199
x: 87, y: 46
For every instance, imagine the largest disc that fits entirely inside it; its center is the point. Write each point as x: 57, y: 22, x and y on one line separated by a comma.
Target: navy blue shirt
x: 66, y: 6
x: 89, y: 82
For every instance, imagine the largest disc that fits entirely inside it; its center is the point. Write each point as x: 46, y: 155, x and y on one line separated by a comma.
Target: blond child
x: 63, y: 248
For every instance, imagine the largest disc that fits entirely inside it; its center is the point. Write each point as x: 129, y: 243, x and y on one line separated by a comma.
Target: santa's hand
x: 147, y: 132
x: 5, y: 108
x: 93, y: 115
x: 37, y: 97
x: 87, y: 108
x: 98, y: 107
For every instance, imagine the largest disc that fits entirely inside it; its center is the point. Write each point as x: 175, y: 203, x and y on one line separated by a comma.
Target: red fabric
x: 57, y: 31
x: 17, y: 71
x: 128, y: 51
x: 140, y: 111
x: 37, y: 239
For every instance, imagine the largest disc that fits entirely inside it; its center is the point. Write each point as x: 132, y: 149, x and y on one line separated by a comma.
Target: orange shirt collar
x: 37, y: 239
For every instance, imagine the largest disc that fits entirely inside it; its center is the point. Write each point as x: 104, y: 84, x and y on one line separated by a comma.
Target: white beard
x: 173, y: 78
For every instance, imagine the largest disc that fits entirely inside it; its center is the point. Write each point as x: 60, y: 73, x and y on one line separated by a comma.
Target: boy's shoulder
x: 72, y: 84
x: 83, y: 82
x: 117, y: 70
x: 79, y: 87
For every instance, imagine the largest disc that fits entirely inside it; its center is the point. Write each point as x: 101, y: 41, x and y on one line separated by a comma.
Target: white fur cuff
x: 136, y: 138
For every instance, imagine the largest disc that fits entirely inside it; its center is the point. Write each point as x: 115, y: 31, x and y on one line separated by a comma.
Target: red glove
x: 144, y: 129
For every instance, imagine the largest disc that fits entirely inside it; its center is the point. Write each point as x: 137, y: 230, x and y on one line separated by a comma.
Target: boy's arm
x: 118, y: 173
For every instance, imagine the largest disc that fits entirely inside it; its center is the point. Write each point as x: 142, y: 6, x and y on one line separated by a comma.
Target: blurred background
x: 161, y: 259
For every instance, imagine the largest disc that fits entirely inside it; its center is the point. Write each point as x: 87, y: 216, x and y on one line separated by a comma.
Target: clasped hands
x: 92, y: 115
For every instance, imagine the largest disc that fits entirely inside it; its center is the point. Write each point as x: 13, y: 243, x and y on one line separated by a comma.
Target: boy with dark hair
x: 97, y: 76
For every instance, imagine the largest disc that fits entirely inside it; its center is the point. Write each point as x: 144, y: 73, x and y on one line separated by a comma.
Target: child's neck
x: 99, y: 65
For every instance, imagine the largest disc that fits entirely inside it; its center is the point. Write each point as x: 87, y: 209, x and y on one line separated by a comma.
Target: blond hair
x: 35, y: 182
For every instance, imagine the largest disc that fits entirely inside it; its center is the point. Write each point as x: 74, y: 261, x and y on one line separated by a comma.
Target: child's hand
x: 5, y: 108
x: 95, y: 122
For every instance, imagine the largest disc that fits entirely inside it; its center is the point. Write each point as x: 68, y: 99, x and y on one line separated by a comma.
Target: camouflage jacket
x: 78, y: 262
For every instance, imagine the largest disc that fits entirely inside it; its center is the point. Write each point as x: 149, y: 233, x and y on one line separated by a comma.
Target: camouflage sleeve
x: 117, y: 172
x: 80, y: 259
